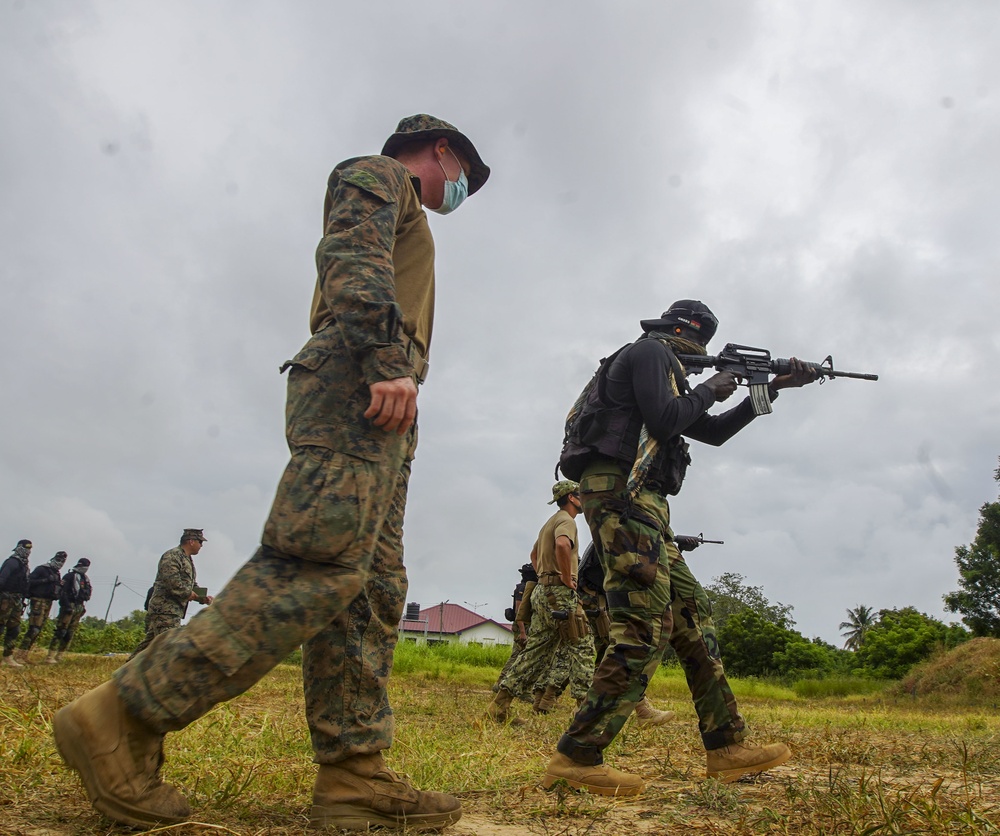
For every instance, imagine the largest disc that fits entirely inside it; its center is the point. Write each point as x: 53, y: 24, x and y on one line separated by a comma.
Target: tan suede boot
x: 362, y: 792
x: 118, y: 759
x: 51, y: 658
x: 730, y: 762
x: 11, y: 662
x: 21, y: 656
x: 499, y: 710
x: 600, y: 779
x: 537, y: 695
x: 646, y: 715
x: 547, y: 701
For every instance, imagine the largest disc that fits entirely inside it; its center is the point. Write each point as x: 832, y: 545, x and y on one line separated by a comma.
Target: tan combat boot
x: 498, y: 710
x: 646, y: 715
x: 730, y: 762
x: 362, y: 792
x: 547, y: 701
x: 600, y: 779
x: 51, y: 659
x: 11, y: 662
x: 118, y: 759
x: 21, y: 656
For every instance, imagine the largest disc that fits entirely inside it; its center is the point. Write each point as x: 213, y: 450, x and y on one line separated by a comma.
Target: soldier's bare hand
x: 722, y: 384
x: 800, y: 375
x: 394, y: 404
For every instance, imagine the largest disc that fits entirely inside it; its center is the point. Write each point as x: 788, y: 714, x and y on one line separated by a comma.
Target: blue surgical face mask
x: 455, y: 191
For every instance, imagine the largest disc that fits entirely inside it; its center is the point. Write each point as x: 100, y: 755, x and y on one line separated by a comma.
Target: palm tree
x: 859, y: 621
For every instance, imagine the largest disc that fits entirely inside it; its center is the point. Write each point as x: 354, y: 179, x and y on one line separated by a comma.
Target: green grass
x: 864, y: 764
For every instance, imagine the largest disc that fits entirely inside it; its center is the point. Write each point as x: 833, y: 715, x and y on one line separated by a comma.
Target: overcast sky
x: 824, y: 175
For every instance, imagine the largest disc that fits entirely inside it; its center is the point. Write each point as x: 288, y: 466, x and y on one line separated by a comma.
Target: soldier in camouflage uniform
x: 520, y: 617
x: 75, y: 590
x: 641, y: 393
x: 13, y: 590
x: 174, y: 588
x: 329, y: 575
x: 44, y: 586
x: 560, y: 647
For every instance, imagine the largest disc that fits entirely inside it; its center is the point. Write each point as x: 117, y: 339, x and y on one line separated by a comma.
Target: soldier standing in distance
x: 329, y: 575
x: 627, y: 449
x: 74, y: 593
x: 520, y: 616
x: 174, y: 588
x: 44, y: 586
x: 13, y: 590
x: 555, y: 557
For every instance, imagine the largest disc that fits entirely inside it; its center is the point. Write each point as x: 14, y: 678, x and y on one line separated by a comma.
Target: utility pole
x: 441, y: 620
x: 117, y: 584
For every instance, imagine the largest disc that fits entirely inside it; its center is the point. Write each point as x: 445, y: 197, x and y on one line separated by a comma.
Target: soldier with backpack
x: 75, y: 593
x: 44, y: 586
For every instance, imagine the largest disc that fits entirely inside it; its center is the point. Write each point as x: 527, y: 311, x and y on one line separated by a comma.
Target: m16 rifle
x: 688, y: 542
x: 755, y: 365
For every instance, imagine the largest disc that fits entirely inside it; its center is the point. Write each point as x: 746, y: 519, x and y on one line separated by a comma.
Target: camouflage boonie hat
x: 422, y: 126
x: 563, y: 488
x: 193, y: 534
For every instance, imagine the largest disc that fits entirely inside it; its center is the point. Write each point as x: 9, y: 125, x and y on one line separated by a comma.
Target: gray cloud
x: 823, y: 175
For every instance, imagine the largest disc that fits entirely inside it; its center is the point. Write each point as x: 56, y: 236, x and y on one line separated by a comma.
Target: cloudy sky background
x: 823, y: 174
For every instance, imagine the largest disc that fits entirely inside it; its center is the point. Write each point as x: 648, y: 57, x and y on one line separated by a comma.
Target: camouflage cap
x: 193, y: 534
x: 422, y: 126
x: 563, y: 488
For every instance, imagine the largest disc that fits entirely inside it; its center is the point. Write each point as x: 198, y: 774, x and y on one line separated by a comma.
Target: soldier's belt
x: 551, y: 580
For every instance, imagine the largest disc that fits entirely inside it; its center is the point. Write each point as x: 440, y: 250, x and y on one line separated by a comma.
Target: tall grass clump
x: 837, y: 686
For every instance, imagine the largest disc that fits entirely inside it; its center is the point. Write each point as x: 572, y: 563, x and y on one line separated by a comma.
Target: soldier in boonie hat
x: 563, y: 488
x: 421, y: 127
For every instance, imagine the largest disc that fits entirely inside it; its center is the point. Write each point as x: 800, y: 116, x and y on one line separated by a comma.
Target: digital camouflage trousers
x: 38, y: 613
x: 344, y: 613
x: 11, y: 607
x: 653, y: 599
x: 66, y: 624
x: 548, y: 658
x: 156, y: 623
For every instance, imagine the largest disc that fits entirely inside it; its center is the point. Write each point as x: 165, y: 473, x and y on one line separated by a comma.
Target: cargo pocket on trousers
x: 635, y: 552
x: 220, y: 643
x: 321, y: 505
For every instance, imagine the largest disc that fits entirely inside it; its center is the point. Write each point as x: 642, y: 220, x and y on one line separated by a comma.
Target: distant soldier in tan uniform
x: 560, y: 646
x: 329, y: 575
x: 174, y: 588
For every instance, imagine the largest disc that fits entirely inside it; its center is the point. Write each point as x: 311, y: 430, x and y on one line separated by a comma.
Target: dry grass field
x: 869, y: 765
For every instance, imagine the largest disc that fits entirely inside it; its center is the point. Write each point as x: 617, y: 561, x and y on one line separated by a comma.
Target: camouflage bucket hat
x: 563, y: 488
x: 422, y: 126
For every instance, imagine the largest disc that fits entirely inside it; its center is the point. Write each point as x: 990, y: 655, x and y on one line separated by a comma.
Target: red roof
x: 456, y: 618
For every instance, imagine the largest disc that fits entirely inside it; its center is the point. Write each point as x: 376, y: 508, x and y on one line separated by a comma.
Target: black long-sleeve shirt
x: 638, y: 379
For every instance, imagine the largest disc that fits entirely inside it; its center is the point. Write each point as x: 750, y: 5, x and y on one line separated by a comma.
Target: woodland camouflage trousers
x: 38, y: 613
x: 11, y: 607
x: 66, y: 623
x: 653, y: 599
